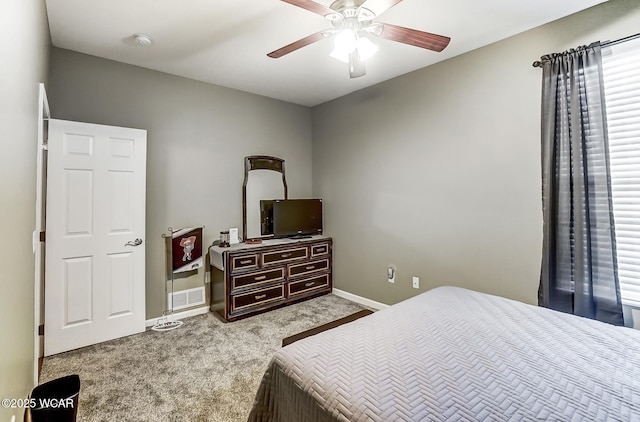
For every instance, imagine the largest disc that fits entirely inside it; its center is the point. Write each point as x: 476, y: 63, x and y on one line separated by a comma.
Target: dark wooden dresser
x: 247, y: 279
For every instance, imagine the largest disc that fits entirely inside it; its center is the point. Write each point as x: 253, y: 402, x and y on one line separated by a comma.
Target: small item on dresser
x: 256, y: 241
x: 224, y: 239
x: 233, y: 236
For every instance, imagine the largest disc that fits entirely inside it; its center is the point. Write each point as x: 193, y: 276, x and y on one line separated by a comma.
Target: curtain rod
x: 621, y: 40
x: 538, y: 63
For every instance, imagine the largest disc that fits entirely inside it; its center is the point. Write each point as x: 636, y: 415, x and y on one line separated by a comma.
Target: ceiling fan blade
x: 297, y: 44
x: 414, y: 37
x: 311, y: 6
x: 379, y: 6
x: 356, y: 65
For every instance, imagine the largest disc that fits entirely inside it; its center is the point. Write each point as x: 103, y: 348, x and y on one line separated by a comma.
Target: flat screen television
x: 297, y: 218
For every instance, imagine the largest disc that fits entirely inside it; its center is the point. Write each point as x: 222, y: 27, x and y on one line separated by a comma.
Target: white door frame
x: 43, y: 115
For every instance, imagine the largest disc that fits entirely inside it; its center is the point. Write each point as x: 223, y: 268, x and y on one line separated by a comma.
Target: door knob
x: 136, y: 242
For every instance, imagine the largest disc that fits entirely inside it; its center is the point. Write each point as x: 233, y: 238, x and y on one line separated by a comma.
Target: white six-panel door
x: 94, y: 268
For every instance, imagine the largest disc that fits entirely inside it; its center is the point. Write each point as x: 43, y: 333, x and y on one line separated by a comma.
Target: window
x: 622, y: 96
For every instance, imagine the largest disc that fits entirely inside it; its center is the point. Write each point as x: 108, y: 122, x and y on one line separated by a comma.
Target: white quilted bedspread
x: 456, y: 355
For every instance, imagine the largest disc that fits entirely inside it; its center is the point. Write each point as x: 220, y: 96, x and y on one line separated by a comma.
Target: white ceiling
x: 226, y: 42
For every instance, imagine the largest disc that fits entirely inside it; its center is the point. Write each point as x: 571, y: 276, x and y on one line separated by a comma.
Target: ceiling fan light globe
x: 340, y: 55
x: 343, y: 48
x: 366, y: 48
x: 346, y: 41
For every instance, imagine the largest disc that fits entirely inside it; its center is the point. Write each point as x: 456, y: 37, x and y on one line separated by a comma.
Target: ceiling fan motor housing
x: 349, y: 15
x: 340, y: 5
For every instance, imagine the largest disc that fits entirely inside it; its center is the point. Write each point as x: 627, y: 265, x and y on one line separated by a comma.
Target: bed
x: 452, y: 354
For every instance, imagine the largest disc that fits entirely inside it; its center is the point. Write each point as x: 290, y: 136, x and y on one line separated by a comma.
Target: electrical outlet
x: 416, y: 282
x: 391, y: 273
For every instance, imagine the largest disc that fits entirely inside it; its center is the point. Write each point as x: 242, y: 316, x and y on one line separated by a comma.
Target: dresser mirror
x: 264, y: 179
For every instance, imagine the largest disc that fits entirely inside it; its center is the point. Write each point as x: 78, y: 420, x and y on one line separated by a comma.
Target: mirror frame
x: 259, y: 162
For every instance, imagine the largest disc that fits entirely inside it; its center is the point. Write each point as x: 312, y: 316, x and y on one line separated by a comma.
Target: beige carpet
x: 205, y: 370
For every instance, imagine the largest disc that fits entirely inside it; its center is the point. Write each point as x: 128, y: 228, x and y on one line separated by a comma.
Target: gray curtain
x: 579, y: 270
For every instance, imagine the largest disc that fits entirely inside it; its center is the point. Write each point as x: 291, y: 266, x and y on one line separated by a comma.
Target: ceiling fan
x: 353, y: 25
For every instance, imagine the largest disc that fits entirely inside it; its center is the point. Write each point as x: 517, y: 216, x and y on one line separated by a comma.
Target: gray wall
x: 24, y: 45
x: 198, y: 135
x: 438, y: 171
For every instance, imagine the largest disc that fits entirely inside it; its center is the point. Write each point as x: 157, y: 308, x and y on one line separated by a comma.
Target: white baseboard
x: 359, y: 299
x: 179, y: 315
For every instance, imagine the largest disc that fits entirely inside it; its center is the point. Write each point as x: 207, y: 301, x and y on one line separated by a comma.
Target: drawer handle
x: 246, y: 261
x: 320, y: 250
x: 285, y: 255
x: 260, y: 278
x: 258, y: 297
x: 310, y: 267
x: 309, y: 284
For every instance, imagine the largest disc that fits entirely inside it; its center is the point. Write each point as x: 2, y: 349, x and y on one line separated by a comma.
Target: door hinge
x: 41, y: 329
x: 43, y: 236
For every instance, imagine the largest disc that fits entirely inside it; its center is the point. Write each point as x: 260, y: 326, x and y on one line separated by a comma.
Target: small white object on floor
x: 166, y: 323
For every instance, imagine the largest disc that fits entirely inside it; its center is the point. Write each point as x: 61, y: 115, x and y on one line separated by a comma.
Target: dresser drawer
x: 244, y: 262
x: 256, y: 278
x: 257, y: 297
x: 308, y: 267
x: 308, y: 284
x: 285, y: 255
x: 319, y: 250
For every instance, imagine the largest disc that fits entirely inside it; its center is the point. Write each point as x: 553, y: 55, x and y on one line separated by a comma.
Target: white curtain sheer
x: 622, y: 92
